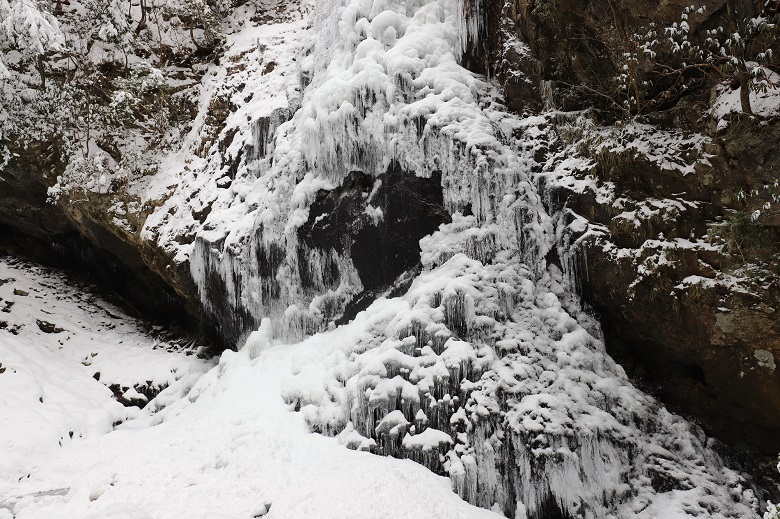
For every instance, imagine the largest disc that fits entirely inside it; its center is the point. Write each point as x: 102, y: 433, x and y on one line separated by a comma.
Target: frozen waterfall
x: 475, y: 361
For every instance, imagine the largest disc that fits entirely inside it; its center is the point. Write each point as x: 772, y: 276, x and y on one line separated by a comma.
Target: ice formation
x: 480, y: 373
x: 484, y: 369
x: 383, y: 90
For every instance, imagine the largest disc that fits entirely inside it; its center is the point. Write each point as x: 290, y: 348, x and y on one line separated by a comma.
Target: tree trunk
x: 744, y: 89
x: 745, y: 83
x: 732, y: 12
x: 618, y: 16
x: 42, y: 71
x: 142, y: 22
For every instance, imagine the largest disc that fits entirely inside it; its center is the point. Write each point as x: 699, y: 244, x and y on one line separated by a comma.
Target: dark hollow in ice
x: 383, y: 245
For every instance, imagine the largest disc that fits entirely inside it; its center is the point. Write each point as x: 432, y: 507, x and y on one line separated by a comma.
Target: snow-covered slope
x: 227, y: 447
x: 61, y: 349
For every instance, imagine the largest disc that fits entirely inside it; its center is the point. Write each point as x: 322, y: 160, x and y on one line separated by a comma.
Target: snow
x: 24, y: 27
x: 230, y: 447
x: 427, y: 440
x: 764, y: 103
x: 49, y: 394
x: 568, y: 412
x: 226, y: 442
x: 485, y: 370
x: 673, y: 151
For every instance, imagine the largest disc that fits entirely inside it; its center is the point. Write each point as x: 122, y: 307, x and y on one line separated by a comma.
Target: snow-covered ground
x: 229, y: 447
x: 765, y: 102
x: 61, y: 348
x: 223, y: 440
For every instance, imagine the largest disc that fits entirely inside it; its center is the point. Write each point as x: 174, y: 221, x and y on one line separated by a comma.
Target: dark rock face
x: 23, y: 192
x: 67, y: 236
x: 707, y: 349
x: 575, y: 46
x: 378, y: 223
x: 124, y: 276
